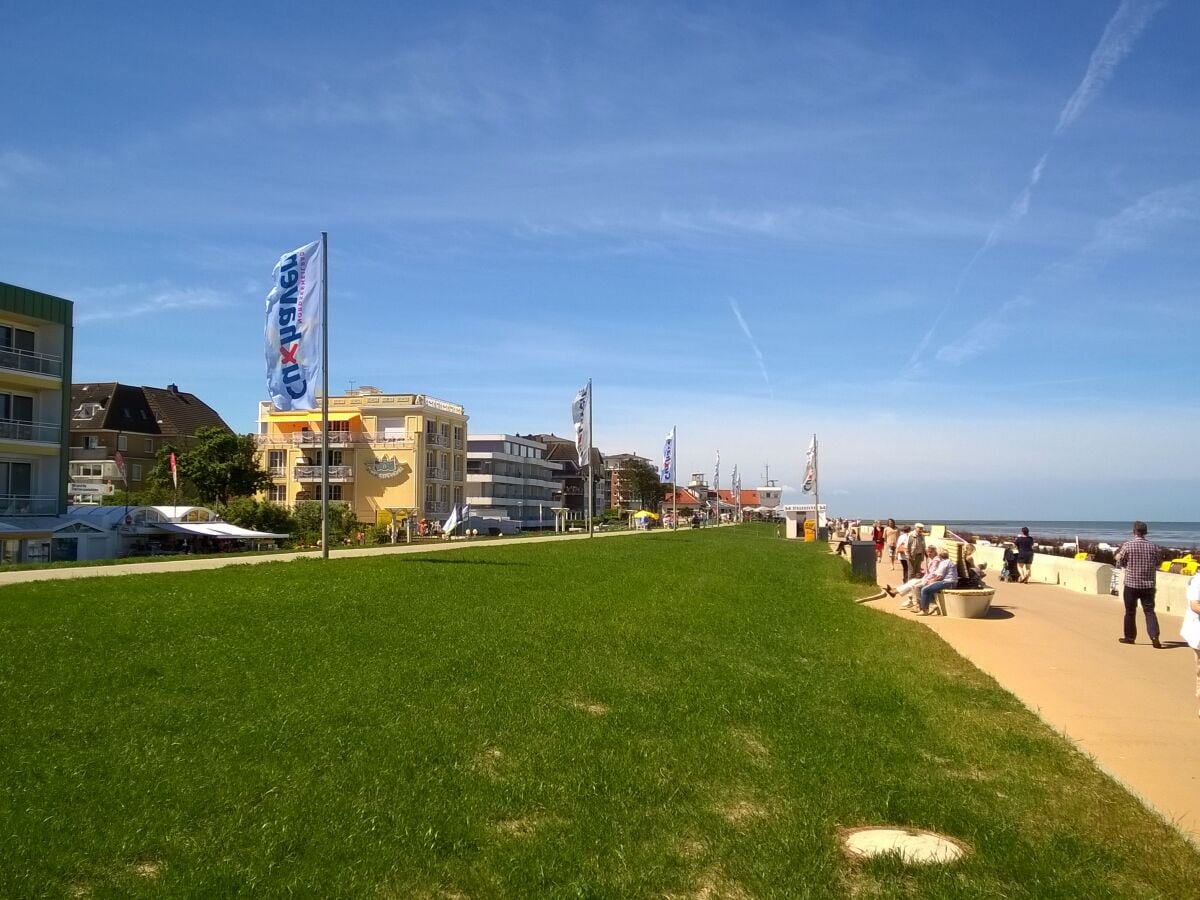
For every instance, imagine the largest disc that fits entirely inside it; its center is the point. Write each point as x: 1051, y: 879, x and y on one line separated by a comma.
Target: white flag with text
x: 294, y: 310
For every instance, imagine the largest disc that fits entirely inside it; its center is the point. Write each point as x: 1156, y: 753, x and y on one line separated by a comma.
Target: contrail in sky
x: 1130, y: 19
x: 1123, y: 29
x: 762, y: 363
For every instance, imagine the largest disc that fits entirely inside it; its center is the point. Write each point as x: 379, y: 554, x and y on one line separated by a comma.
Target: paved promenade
x: 1131, y: 708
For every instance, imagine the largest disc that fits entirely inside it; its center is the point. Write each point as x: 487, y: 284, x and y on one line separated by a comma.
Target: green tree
x: 643, y: 484
x: 215, y: 467
x: 342, y: 523
x: 258, y: 515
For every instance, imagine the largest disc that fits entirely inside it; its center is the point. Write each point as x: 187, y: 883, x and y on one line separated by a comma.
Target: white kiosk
x: 797, y: 513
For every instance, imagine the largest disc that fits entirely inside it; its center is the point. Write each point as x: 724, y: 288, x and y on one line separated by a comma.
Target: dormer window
x: 87, y: 410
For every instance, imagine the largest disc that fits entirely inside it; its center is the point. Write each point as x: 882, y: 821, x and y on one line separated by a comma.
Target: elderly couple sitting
x: 938, y: 572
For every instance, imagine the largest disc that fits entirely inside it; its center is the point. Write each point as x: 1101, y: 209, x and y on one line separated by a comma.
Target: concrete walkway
x: 1131, y: 708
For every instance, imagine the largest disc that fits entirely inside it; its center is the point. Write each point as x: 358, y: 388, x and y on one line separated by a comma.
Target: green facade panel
x: 36, y: 305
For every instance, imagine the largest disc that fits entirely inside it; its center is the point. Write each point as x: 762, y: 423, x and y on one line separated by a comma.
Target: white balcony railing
x: 437, y: 473
x: 28, y: 361
x: 43, y: 432
x: 40, y: 505
x: 433, y: 439
x: 337, y: 474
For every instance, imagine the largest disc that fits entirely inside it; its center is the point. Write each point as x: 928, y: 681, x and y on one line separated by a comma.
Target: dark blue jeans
x: 1145, y: 596
x: 932, y: 590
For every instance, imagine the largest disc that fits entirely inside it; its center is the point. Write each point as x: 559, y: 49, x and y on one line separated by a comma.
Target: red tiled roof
x: 682, y: 497
x: 748, y: 497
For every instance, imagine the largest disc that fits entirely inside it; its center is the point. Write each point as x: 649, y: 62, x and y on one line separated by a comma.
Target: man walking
x: 916, y: 549
x: 1139, y: 558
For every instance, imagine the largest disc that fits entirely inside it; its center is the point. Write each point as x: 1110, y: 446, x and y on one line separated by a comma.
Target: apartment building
x: 572, y: 478
x: 35, y: 364
x: 388, y: 454
x: 510, y: 479
x: 108, y: 418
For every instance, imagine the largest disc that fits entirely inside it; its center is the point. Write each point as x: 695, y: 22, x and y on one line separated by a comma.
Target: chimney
x: 173, y: 388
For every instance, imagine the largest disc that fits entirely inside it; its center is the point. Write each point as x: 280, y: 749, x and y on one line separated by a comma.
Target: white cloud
x: 142, y: 300
x: 16, y: 166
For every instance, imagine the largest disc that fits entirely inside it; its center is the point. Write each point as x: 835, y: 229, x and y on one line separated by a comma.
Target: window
x: 122, y: 441
x: 277, y: 493
x: 430, y: 426
x: 16, y: 478
x: 16, y: 407
x: 335, y: 492
x: 136, y: 474
x: 87, y: 470
x: 276, y: 459
x: 430, y: 459
x: 335, y: 458
x: 86, y: 411
x: 445, y: 492
x: 445, y: 429
x: 430, y: 494
x: 149, y: 445
x: 16, y: 338
x: 343, y: 427
x: 458, y: 495
x: 445, y: 462
x: 91, y: 442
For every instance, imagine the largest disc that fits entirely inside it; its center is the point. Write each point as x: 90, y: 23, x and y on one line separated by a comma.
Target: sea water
x: 1181, y: 535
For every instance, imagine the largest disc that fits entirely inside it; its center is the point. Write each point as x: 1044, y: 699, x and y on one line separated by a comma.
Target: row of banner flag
x: 294, y: 352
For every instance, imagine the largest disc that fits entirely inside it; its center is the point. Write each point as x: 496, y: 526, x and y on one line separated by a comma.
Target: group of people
x: 926, y: 568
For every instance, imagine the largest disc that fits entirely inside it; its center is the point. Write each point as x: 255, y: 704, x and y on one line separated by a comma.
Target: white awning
x: 214, y: 529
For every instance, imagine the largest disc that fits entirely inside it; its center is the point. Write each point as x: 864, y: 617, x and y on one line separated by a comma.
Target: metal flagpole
x: 325, y: 395
x: 674, y: 479
x: 717, y: 486
x: 591, y: 474
x: 816, y: 488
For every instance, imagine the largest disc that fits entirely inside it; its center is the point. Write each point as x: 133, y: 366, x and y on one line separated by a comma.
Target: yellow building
x: 388, y: 453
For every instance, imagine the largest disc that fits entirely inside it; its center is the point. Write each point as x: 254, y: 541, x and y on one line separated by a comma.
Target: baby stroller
x: 1008, y: 571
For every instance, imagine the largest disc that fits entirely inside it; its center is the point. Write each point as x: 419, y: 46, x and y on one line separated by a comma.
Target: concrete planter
x: 973, y: 604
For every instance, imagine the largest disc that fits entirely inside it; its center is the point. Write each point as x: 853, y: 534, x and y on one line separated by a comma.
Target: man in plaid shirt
x: 1139, y: 558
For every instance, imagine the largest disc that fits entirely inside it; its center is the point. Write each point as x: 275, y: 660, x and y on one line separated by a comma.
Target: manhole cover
x: 919, y: 847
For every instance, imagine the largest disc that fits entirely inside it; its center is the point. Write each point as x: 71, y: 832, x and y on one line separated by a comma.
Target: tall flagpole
x: 674, y: 479
x: 325, y: 395
x: 816, y: 487
x: 591, y: 475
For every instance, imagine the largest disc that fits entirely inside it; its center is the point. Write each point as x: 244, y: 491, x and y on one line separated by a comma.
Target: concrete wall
x: 1086, y: 577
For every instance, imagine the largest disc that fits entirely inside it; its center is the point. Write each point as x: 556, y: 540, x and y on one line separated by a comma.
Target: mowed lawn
x: 669, y: 715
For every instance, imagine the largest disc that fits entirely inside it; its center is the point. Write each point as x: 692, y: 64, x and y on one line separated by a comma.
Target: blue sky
x: 955, y: 240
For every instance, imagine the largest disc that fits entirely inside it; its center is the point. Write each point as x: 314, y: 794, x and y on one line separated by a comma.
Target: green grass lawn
x: 672, y: 715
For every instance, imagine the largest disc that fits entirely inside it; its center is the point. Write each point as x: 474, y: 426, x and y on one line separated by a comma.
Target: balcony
x: 28, y: 361
x: 458, y: 443
x: 437, y: 473
x: 277, y: 471
x: 86, y: 453
x: 41, y: 505
x: 42, y: 432
x: 433, y: 439
x: 437, y: 508
x: 336, y: 439
x: 337, y: 474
